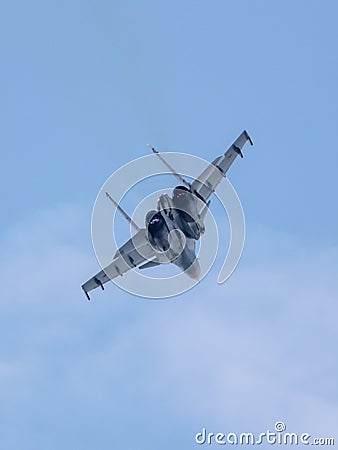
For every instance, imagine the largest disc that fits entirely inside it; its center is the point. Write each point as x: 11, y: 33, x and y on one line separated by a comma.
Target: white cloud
x: 235, y: 357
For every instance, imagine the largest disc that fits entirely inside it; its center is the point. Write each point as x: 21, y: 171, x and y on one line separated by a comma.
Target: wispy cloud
x: 234, y: 357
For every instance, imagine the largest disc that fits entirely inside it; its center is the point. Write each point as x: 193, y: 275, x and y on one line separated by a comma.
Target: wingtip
x: 248, y: 137
x: 86, y: 293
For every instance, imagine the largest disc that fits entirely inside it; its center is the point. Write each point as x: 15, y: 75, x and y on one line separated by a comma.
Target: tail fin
x: 122, y: 211
x: 204, y: 211
x: 172, y: 170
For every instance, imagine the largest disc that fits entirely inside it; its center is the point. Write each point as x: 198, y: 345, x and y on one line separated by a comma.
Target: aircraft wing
x: 210, y: 178
x: 133, y: 253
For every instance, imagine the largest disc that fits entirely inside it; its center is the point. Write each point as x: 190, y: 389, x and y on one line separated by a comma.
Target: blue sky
x: 84, y: 87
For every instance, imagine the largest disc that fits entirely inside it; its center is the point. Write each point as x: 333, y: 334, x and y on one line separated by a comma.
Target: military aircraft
x: 171, y: 232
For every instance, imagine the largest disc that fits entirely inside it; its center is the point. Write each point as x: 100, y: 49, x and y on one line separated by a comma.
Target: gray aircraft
x: 171, y: 232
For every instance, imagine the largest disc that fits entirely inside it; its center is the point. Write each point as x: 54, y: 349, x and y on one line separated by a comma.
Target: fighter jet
x: 172, y: 231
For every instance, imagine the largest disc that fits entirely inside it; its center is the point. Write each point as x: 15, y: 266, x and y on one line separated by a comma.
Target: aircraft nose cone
x: 194, y: 270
